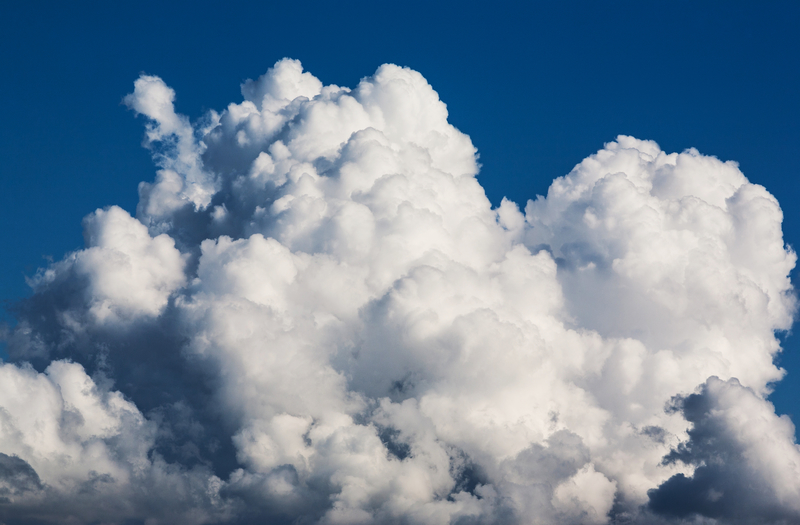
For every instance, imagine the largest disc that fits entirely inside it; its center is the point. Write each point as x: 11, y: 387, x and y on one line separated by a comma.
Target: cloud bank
x: 316, y: 316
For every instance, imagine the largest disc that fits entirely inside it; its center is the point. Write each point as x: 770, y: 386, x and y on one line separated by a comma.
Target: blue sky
x: 537, y: 87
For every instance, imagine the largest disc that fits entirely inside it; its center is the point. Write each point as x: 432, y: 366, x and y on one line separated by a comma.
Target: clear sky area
x: 537, y: 86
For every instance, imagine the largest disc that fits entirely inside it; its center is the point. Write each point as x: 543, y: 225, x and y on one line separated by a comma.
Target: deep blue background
x: 537, y: 87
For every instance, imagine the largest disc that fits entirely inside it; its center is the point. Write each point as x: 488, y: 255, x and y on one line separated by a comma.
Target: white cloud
x: 125, y: 272
x: 183, y: 178
x: 319, y: 304
x: 75, y: 451
x: 748, y: 468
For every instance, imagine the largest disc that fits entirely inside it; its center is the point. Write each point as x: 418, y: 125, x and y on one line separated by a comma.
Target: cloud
x: 747, y: 468
x: 316, y: 316
x: 75, y: 451
x: 183, y: 179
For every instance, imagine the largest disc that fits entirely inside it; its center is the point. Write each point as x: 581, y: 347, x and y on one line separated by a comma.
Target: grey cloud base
x: 317, y: 317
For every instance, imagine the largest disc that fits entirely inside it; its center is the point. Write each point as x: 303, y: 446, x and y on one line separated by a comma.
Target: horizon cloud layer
x: 316, y: 316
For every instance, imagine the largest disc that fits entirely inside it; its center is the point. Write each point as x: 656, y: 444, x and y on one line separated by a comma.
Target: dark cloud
x: 16, y: 477
x: 732, y: 480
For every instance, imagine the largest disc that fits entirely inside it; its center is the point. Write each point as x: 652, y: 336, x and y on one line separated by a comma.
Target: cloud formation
x: 316, y: 316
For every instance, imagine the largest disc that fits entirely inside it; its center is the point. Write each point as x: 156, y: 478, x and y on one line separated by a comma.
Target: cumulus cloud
x: 747, y: 467
x: 74, y: 451
x: 316, y: 316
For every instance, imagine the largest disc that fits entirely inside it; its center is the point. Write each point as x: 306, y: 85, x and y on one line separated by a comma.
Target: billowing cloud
x: 747, y: 469
x: 316, y: 316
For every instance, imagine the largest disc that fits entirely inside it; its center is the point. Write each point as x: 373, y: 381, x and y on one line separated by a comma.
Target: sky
x: 537, y: 90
